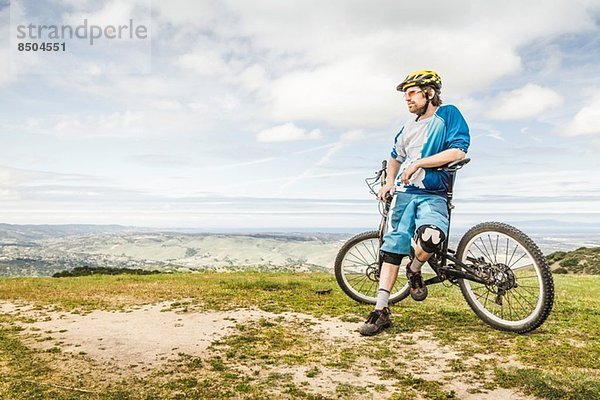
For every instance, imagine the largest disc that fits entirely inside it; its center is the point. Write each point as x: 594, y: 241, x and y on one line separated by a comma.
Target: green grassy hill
x: 431, y: 348
x: 584, y: 260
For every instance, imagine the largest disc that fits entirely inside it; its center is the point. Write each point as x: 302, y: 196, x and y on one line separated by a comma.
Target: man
x: 439, y: 135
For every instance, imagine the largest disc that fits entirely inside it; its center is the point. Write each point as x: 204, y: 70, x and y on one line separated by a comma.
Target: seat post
x: 450, y: 192
x: 449, y: 195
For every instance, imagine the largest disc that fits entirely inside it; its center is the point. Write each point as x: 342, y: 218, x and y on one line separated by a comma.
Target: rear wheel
x: 520, y: 290
x: 357, y: 270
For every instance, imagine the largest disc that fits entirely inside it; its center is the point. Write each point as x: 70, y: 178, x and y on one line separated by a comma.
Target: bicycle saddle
x: 455, y: 165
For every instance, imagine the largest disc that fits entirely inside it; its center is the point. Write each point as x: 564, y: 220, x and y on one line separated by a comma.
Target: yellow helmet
x: 422, y: 77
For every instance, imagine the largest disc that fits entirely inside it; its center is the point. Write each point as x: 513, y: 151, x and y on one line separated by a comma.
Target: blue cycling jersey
x: 445, y: 129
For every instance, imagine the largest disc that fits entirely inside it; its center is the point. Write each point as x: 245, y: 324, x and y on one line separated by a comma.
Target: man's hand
x: 409, y: 172
x: 385, y: 191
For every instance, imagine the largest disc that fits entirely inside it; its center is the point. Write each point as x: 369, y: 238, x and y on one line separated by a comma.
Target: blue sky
x: 269, y: 114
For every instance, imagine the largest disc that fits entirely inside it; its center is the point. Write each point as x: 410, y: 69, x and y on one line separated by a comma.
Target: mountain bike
x: 501, y: 272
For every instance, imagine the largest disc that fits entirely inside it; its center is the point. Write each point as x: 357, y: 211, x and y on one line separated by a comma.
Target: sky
x: 269, y: 114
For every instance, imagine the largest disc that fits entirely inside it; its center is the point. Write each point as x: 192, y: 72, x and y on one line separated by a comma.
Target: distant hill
x: 584, y: 260
x: 10, y: 233
x: 41, y: 250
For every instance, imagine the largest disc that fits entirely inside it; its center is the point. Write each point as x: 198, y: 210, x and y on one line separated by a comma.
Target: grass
x: 275, y: 358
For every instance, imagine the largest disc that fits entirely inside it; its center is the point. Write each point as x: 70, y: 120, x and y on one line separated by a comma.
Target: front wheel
x: 357, y: 270
x: 519, y: 293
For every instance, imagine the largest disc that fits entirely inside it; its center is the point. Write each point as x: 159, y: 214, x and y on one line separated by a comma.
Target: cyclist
x: 418, y: 222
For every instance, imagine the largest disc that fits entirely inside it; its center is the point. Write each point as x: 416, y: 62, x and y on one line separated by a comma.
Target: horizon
x: 537, y: 227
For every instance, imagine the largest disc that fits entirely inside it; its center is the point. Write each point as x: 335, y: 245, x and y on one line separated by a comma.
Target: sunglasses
x: 410, y: 93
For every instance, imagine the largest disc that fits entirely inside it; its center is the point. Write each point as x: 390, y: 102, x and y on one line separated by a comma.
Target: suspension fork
x: 382, y: 227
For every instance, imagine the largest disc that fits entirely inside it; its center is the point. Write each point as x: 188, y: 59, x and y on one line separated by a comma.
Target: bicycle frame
x: 438, y: 261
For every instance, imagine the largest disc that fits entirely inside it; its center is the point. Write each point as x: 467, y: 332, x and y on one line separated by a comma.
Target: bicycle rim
x: 519, y: 305
x: 356, y: 268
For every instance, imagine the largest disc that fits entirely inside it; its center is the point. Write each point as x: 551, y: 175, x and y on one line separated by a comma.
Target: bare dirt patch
x: 150, y: 336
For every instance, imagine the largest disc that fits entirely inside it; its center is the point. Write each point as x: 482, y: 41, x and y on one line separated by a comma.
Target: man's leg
x: 427, y: 240
x: 387, y: 278
x: 432, y: 224
x: 396, y: 243
x: 380, y: 319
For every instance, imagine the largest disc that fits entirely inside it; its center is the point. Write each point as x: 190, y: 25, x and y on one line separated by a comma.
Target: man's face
x: 415, y: 99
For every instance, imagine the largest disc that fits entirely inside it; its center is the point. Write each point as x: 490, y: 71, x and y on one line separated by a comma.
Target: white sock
x: 416, y: 264
x: 383, y: 298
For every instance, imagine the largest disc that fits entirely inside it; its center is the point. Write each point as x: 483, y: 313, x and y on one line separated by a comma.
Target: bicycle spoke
x: 508, y: 297
x: 492, y: 247
x: 506, y: 256
x: 357, y: 259
x: 525, y: 289
x: 486, y: 298
x: 358, y: 278
x: 361, y: 287
x: 510, y: 266
x: 513, y: 254
x: 354, y: 269
x: 486, y: 250
x: 395, y: 288
x: 524, y: 298
x: 510, y: 309
x: 518, y: 302
x: 363, y: 257
x: 479, y: 288
x: 359, y: 281
x: 532, y: 294
x: 480, y: 295
x: 369, y: 251
x: 481, y: 251
x: 522, y: 266
x: 375, y: 251
x: 352, y: 264
x: 370, y: 290
x: 497, y: 239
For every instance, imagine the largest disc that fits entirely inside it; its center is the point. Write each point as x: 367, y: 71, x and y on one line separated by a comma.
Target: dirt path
x: 152, y: 335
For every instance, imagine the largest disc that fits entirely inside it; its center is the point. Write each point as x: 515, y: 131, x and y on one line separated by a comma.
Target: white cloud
x: 4, y: 43
x: 526, y: 102
x: 4, y: 67
x: 585, y: 122
x: 346, y: 94
x: 204, y: 63
x: 118, y: 124
x: 352, y: 136
x: 343, y: 68
x: 544, y: 184
x: 286, y: 133
x: 167, y: 105
x: 113, y: 12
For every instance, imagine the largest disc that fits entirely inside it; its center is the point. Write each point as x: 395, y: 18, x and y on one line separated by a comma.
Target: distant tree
x: 86, y: 271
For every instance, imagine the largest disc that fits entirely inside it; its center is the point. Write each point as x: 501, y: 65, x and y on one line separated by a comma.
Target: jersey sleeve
x: 398, y: 153
x: 457, y: 130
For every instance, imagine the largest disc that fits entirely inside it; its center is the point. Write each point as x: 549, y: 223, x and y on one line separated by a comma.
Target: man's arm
x: 441, y: 158
x: 436, y: 160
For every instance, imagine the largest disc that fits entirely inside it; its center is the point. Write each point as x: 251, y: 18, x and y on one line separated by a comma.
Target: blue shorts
x: 407, y: 213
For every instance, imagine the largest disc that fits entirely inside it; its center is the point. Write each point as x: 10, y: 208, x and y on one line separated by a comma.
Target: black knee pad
x: 392, y: 258
x: 429, y: 237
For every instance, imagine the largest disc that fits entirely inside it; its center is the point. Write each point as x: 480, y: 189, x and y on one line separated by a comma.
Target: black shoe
x: 418, y: 290
x: 378, y: 321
